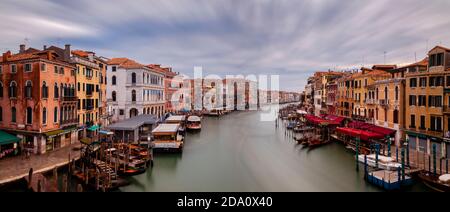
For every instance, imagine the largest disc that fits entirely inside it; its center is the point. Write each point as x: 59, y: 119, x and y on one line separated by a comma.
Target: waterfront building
x: 332, y: 90
x: 37, y: 98
x: 426, y: 113
x: 134, y: 89
x: 391, y: 103
x: 343, y: 97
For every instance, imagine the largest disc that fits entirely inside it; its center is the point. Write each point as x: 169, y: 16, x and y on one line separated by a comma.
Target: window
x: 395, y: 116
x: 435, y: 101
x: 422, y: 122
x: 43, y: 67
x: 55, y: 115
x: 436, y: 81
x: 396, y: 93
x: 436, y: 123
x: 133, y: 95
x: 413, y: 121
x: 1, y: 69
x: 28, y: 67
x: 1, y: 114
x: 121, y: 112
x: 61, y: 70
x: 56, y: 69
x: 423, y: 82
x: 413, y: 82
x: 113, y: 80
x: 422, y: 100
x: 133, y: 78
x: 13, y: 115
x: 13, y: 68
x: 114, y: 69
x: 28, y: 89
x: 56, y: 91
x: 12, y: 90
x: 436, y: 60
x: 114, y: 96
x: 29, y: 115
x: 44, y: 116
x: 1, y: 89
x: 412, y: 100
x: 78, y: 86
x: 44, y: 90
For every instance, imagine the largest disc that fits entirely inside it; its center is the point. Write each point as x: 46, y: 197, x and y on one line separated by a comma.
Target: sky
x: 289, y: 38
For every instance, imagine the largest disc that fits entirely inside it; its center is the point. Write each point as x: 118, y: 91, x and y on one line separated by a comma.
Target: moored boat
x: 435, y: 182
x: 386, y: 163
x: 168, y: 137
x: 194, y: 123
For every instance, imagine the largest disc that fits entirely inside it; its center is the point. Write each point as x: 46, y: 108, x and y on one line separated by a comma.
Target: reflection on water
x: 238, y: 152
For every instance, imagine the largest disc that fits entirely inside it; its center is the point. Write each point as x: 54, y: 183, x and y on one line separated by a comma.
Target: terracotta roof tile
x: 125, y: 63
x: 80, y: 53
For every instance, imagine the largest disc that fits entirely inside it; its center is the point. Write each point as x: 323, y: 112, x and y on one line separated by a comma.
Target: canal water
x: 240, y: 153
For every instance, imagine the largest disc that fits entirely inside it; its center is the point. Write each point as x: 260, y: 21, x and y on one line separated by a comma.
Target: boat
x: 168, y: 137
x: 435, y: 182
x: 386, y: 163
x: 312, y: 143
x: 177, y: 119
x: 194, y: 123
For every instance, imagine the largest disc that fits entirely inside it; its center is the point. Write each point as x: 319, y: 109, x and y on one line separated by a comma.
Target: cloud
x: 292, y: 38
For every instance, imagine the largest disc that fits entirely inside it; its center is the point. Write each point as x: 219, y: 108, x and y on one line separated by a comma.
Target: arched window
x: 56, y: 91
x: 133, y: 95
x: 133, y: 78
x: 55, y: 115
x: 376, y: 94
x: 28, y: 89
x: 29, y: 115
x: 12, y: 89
x: 1, y: 89
x: 1, y: 114
x: 113, y: 81
x: 44, y: 115
x: 44, y: 90
x: 13, y: 115
x: 114, y: 96
x: 396, y: 93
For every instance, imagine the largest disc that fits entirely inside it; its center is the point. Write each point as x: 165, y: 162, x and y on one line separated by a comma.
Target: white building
x: 133, y: 89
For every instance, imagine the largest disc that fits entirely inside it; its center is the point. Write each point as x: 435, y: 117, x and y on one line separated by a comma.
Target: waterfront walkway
x: 15, y: 168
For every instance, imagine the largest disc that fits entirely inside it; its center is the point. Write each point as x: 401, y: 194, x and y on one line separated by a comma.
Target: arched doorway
x: 133, y: 112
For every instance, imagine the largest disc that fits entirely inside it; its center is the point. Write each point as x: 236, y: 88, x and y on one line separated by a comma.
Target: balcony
x: 69, y: 122
x: 446, y: 109
x: 69, y: 98
x: 89, y: 107
x: 370, y: 101
x: 383, y: 102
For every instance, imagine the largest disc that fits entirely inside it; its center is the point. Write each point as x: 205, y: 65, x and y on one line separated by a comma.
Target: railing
x: 89, y: 107
x: 69, y: 98
x: 68, y: 122
x: 383, y: 102
x: 370, y: 101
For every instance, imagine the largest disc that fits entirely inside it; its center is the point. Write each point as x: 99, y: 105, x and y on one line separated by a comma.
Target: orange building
x: 37, y: 98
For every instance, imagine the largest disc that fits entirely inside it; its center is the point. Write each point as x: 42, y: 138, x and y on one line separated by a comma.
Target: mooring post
x: 396, y: 153
x: 357, y: 153
x: 446, y: 166
x: 389, y: 146
x: 434, y: 160
x: 30, y: 177
x: 407, y: 152
x: 403, y: 164
x: 399, y: 174
x: 377, y: 153
x: 365, y: 167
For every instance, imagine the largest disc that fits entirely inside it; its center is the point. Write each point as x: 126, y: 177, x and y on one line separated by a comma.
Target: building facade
x: 38, y: 99
x: 134, y: 89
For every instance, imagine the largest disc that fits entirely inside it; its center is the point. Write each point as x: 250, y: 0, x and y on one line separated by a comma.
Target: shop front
x: 9, y: 145
x: 59, y: 138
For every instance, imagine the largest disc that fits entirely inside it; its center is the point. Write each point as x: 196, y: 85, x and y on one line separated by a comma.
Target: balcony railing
x: 370, y: 101
x: 383, y: 102
x: 69, y: 122
x: 69, y: 98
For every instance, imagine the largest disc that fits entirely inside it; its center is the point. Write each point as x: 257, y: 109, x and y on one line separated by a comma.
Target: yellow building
x: 425, y: 111
x: 90, y: 95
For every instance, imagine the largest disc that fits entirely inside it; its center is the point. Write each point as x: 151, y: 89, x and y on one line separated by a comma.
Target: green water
x: 238, y: 152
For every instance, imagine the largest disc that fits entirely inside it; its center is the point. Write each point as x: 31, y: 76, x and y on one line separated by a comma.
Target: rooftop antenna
x: 415, y: 57
x: 385, y: 57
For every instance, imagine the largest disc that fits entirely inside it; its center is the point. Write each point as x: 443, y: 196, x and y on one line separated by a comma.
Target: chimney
x: 45, y: 47
x: 91, y: 56
x: 22, y: 48
x: 6, y: 55
x: 67, y: 53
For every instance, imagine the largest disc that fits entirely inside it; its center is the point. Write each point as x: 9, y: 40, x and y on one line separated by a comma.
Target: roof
x: 6, y: 138
x: 176, y: 118
x: 362, y: 134
x: 194, y: 118
x: 134, y: 123
x: 423, y: 62
x: 441, y: 47
x: 125, y: 63
x: 80, y: 53
x: 166, y: 128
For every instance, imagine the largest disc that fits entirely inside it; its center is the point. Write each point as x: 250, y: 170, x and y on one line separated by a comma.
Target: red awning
x: 372, y: 128
x: 363, y: 135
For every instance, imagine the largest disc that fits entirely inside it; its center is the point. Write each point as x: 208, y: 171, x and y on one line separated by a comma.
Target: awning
x: 94, y: 128
x: 372, y: 128
x: 6, y: 138
x: 55, y: 133
x: 104, y: 132
x: 362, y: 134
x: 86, y: 141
